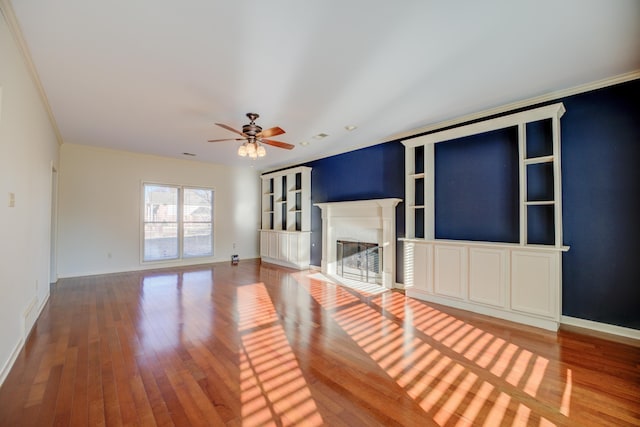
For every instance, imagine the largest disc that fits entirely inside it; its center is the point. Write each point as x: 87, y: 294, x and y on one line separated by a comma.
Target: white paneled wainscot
x: 286, y: 248
x: 509, y: 281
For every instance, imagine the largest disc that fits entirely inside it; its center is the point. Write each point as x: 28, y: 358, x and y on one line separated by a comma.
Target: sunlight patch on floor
x: 446, y: 371
x: 273, y: 389
x: 361, y: 287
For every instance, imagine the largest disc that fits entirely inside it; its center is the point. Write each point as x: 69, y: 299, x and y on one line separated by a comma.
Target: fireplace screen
x: 359, y: 261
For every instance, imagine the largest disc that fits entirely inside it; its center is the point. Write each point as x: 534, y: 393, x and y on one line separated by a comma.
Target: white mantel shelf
x: 374, y: 214
x: 391, y: 202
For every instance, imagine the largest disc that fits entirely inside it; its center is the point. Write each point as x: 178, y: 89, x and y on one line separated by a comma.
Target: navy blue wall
x: 478, y: 175
x: 375, y: 172
x: 601, y: 197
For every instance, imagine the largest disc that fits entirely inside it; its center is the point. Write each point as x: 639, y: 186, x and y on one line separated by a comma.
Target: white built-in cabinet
x: 285, y: 235
x: 522, y: 281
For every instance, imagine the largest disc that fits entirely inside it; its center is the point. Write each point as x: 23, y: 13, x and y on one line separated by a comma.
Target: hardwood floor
x: 255, y: 344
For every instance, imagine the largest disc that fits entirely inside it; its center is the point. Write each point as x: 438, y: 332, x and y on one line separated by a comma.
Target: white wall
x: 28, y: 151
x: 100, y: 200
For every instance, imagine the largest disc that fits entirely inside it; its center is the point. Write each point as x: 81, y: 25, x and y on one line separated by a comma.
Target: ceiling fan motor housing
x: 252, y: 129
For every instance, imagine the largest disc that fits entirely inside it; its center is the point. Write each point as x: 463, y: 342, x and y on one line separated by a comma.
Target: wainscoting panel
x: 488, y: 276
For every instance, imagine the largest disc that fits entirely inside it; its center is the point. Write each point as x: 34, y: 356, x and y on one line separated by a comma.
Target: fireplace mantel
x: 374, y: 214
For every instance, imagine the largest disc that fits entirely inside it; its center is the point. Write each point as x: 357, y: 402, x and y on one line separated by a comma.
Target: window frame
x: 180, y: 222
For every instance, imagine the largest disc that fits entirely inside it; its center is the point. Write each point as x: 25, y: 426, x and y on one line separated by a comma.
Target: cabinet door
x: 535, y: 283
x: 294, y: 248
x: 283, y: 246
x: 419, y: 265
x: 273, y: 245
x: 264, y: 243
x: 488, y: 276
x: 450, y: 271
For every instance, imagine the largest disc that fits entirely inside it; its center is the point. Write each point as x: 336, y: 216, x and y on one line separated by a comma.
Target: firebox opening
x: 359, y: 261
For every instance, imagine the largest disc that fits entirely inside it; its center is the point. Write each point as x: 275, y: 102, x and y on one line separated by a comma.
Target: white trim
x: 553, y: 111
x: 399, y: 286
x: 156, y: 265
x: 601, y: 327
x: 40, y: 309
x: 551, y: 96
x: 377, y: 214
x: 541, y: 248
x: 511, y: 316
x: 14, y: 28
x: 4, y: 372
x: 505, y: 108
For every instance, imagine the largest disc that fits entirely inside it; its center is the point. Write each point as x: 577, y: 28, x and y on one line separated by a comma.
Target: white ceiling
x: 154, y: 76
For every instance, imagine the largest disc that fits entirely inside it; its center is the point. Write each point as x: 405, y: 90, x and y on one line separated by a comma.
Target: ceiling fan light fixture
x: 254, y: 137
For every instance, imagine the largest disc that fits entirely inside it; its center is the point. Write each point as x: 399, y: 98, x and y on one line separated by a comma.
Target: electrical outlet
x: 12, y: 200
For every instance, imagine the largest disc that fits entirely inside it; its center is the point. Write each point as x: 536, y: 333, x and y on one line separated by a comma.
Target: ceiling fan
x: 253, y: 137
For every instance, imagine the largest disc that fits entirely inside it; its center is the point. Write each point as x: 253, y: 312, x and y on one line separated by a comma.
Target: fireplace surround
x: 371, y: 220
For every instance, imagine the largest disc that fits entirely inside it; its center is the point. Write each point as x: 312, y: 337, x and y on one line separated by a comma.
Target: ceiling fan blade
x: 226, y: 139
x: 222, y: 125
x: 268, y: 133
x: 277, y: 144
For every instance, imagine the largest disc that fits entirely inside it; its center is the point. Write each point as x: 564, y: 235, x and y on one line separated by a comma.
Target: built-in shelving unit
x: 516, y: 281
x: 286, y: 217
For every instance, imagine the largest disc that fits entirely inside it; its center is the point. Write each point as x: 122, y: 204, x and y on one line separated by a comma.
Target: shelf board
x: 417, y: 207
x: 540, y: 202
x: 535, y: 160
x: 417, y: 175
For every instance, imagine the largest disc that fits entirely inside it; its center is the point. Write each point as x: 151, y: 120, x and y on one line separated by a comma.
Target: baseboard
x: 286, y: 264
x: 40, y: 309
x: 315, y: 267
x: 157, y: 265
x: 509, y: 315
x: 601, y: 327
x: 26, y: 331
x: 12, y: 359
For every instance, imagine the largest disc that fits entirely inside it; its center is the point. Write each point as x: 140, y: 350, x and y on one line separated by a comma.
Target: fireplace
x: 371, y: 221
x: 359, y: 261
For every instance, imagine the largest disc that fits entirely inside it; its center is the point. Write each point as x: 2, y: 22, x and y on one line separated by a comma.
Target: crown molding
x: 548, y: 97
x: 6, y: 9
x: 551, y: 96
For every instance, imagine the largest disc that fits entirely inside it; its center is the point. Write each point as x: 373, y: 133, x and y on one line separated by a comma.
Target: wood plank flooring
x: 258, y: 345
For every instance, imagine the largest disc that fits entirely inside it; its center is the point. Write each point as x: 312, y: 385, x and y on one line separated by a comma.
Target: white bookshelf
x: 520, y: 281
x: 285, y: 235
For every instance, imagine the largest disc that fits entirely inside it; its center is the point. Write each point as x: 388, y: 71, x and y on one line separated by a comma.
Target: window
x: 177, y: 222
